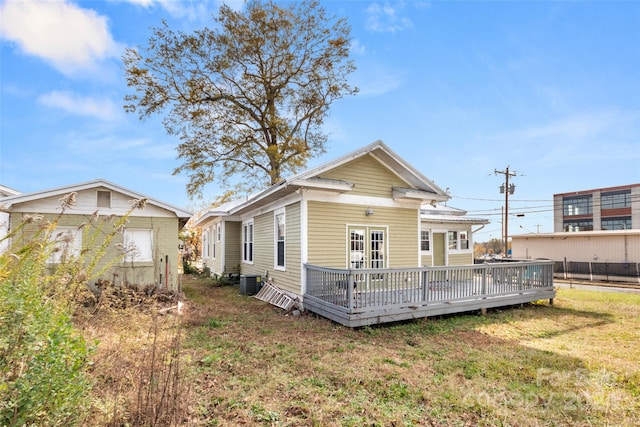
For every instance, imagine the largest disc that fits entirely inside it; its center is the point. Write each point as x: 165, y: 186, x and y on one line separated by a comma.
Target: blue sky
x: 459, y: 89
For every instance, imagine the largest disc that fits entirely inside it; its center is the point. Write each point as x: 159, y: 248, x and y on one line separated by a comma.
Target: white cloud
x: 357, y: 48
x: 189, y: 10
x: 386, y: 19
x: 70, y: 38
x: 377, y: 80
x: 584, y: 137
x: 578, y: 127
x: 102, y: 109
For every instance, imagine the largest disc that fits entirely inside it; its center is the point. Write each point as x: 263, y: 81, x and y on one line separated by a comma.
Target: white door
x: 367, y: 249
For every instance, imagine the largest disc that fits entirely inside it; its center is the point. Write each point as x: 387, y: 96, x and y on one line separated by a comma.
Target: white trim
x: 304, y: 241
x: 280, y: 203
x: 276, y: 213
x: 205, y: 244
x: 247, y: 223
x: 350, y: 199
x: 10, y: 201
x: 367, y: 242
x: 135, y: 235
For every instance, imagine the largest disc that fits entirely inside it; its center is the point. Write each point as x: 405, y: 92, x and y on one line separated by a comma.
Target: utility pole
x: 506, y: 189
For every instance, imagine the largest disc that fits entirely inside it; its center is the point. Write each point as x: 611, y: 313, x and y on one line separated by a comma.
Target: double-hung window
x: 464, y: 240
x: 247, y: 241
x: 205, y: 244
x: 213, y: 240
x: 280, y: 236
x: 453, y: 240
x: 424, y: 241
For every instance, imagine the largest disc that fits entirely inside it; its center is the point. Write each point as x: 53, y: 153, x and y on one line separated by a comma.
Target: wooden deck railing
x: 370, y: 288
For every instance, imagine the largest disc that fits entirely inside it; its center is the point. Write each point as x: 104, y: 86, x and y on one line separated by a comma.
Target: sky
x: 459, y: 89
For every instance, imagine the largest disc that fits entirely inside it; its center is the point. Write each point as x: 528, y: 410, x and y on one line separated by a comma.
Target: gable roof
x: 10, y: 201
x: 421, y: 188
x: 439, y: 214
x: 7, y: 191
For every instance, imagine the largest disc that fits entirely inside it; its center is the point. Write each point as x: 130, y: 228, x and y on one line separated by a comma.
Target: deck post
x: 425, y: 286
x: 350, y: 285
x: 484, y: 282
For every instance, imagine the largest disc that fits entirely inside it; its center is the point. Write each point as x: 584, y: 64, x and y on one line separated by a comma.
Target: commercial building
x: 612, y: 208
x: 596, y: 235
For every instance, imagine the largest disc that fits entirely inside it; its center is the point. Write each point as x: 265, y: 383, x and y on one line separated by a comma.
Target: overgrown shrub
x: 43, y: 358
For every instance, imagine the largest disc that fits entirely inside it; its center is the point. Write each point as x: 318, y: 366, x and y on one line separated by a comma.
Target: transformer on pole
x: 506, y: 189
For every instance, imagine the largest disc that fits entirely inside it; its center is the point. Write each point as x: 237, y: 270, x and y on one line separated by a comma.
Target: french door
x: 367, y: 249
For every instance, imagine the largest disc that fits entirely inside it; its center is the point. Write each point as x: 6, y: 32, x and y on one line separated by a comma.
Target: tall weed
x: 43, y: 358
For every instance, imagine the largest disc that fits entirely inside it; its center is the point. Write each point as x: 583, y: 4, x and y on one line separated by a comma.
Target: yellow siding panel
x: 461, y: 259
x: 426, y: 260
x: 328, y: 233
x: 370, y: 177
x: 232, y: 241
x: 289, y: 279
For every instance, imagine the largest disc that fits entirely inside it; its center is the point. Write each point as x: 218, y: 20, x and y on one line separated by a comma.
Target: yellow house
x: 368, y: 209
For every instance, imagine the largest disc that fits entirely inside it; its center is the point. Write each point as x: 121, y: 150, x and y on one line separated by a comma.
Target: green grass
x: 575, y: 363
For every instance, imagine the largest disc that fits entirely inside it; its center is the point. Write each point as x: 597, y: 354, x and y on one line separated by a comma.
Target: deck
x: 370, y: 296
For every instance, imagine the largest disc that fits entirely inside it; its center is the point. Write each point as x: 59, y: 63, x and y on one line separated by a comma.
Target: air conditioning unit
x: 250, y: 284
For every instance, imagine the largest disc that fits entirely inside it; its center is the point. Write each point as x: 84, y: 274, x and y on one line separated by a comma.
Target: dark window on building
x: 623, y: 223
x: 581, y: 225
x: 577, y: 205
x: 616, y: 200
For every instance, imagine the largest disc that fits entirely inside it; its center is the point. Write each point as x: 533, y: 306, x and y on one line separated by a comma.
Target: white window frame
x: 458, y: 241
x: 247, y: 245
x: 428, y: 231
x: 215, y: 239
x: 279, y: 213
x: 61, y: 249
x: 142, y: 240
x: 461, y: 239
x: 205, y: 244
x: 453, y: 244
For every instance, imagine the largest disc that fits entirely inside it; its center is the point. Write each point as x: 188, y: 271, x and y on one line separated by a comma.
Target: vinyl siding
x: 86, y: 203
x: 289, y: 279
x: 232, y: 238
x: 370, y: 177
x: 460, y: 259
x: 262, y: 246
x: 328, y: 224
x: 165, y: 248
x: 426, y: 260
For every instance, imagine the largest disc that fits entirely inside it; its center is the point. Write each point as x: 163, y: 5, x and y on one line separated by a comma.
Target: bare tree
x: 247, y: 97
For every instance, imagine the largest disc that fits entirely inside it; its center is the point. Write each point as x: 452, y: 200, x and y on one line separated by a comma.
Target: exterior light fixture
x: 368, y: 212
